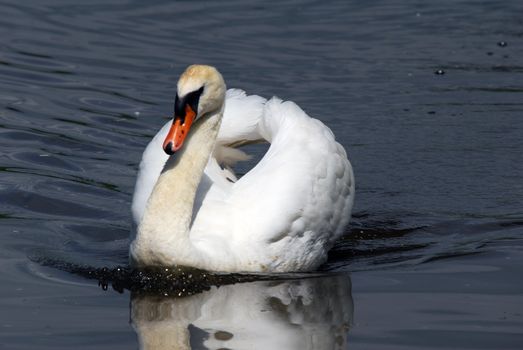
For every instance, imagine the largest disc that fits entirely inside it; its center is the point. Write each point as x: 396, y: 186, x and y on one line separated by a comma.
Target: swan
x: 283, y: 215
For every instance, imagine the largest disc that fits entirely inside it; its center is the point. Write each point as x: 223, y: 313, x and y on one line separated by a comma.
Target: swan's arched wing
x: 297, y: 199
x: 241, y: 118
x: 240, y: 123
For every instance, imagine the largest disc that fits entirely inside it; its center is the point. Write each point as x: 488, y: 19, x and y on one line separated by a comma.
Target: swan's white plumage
x: 285, y: 213
x: 289, y: 209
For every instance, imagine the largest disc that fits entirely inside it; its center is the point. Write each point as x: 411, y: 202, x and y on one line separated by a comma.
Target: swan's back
x: 286, y: 213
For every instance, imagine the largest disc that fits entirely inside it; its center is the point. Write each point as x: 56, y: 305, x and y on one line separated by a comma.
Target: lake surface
x: 427, y: 98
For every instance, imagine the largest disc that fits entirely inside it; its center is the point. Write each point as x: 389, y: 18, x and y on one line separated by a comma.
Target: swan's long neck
x: 165, y: 226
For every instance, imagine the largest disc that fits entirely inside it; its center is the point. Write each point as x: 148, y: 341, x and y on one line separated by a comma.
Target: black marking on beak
x: 192, y: 99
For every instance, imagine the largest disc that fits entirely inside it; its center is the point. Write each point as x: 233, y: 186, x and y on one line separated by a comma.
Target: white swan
x: 283, y: 215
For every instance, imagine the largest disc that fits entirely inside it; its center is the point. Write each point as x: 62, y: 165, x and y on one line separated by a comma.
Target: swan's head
x: 201, y: 92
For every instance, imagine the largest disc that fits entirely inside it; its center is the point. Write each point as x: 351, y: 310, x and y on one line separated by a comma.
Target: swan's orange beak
x: 179, y: 131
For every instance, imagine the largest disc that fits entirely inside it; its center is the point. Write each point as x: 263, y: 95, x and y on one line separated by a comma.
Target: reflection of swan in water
x: 309, y: 313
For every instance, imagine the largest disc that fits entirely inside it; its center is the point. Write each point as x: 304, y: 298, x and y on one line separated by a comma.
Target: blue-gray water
x: 434, y: 251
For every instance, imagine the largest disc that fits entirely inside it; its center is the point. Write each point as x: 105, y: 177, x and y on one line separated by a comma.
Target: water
x: 433, y: 256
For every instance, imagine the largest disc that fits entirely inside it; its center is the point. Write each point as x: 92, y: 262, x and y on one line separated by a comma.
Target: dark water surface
x: 434, y: 253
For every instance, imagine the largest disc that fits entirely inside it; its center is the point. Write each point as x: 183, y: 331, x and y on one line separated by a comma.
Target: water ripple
x: 85, y: 86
